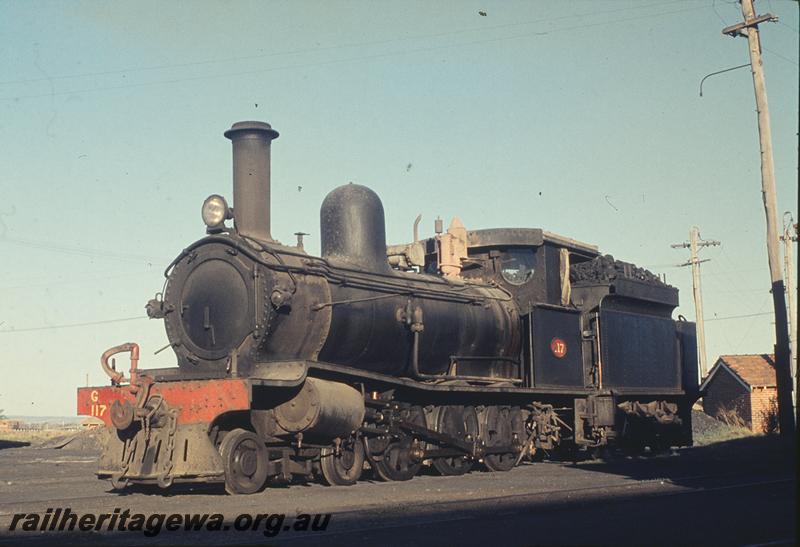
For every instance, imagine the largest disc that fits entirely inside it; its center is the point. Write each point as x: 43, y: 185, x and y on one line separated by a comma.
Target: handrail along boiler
x: 467, y: 347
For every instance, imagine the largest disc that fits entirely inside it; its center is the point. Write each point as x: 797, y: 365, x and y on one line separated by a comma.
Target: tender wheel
x: 344, y: 468
x: 497, y: 431
x: 245, y: 458
x: 459, y: 422
x: 394, y: 460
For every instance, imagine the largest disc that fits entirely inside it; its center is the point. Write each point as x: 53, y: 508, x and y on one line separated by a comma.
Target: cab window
x: 517, y: 266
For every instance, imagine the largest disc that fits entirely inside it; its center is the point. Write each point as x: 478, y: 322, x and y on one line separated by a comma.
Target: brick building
x: 743, y: 384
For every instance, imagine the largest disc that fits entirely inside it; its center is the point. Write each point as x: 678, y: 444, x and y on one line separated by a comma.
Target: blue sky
x: 582, y: 118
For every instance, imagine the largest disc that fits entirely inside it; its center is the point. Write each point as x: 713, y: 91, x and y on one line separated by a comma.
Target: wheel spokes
x: 395, y: 461
x: 342, y: 467
x: 244, y: 458
x: 460, y: 423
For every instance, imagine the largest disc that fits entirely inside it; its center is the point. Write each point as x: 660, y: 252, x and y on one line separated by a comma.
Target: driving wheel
x: 497, y: 431
x: 395, y: 460
x: 245, y: 459
x: 460, y: 422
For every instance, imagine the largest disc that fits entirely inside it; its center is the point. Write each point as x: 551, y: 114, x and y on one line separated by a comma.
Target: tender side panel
x: 638, y: 351
x: 198, y: 401
x: 687, y: 334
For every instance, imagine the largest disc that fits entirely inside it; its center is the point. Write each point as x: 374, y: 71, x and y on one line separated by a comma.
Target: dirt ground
x: 737, y: 492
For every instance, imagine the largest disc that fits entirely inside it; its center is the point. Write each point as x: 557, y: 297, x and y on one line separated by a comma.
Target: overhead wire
x: 714, y: 7
x: 344, y: 60
x: 71, y: 325
x: 738, y: 316
x: 779, y: 55
x: 83, y: 251
x: 328, y: 48
x: 77, y: 279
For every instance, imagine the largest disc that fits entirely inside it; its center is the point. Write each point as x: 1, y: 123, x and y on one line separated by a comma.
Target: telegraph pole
x: 693, y: 244
x: 749, y: 28
x: 789, y: 237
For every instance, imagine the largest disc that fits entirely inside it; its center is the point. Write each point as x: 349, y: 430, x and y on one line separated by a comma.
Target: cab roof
x: 525, y: 237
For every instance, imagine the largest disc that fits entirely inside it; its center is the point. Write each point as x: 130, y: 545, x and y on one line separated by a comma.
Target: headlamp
x: 215, y: 211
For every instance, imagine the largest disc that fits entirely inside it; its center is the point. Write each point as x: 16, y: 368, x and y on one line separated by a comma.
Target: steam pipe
x: 118, y: 377
x: 251, y: 178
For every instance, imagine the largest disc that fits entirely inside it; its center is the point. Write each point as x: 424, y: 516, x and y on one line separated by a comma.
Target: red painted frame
x: 197, y: 401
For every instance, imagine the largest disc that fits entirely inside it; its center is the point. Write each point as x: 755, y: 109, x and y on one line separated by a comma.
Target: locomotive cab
x: 531, y: 264
x: 533, y: 267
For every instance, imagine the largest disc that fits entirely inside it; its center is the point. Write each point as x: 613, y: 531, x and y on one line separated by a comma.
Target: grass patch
x: 707, y: 430
x: 721, y: 435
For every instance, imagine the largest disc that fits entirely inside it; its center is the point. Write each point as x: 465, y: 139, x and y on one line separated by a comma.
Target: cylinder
x: 251, y: 178
x: 322, y: 409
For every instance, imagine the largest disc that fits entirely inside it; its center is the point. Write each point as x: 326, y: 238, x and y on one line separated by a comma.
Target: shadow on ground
x: 13, y: 444
x: 767, y: 454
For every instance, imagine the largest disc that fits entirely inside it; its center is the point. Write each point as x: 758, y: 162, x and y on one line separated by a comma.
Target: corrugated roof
x: 754, y: 370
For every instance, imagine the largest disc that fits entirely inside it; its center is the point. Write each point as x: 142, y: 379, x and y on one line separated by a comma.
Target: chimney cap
x: 251, y: 127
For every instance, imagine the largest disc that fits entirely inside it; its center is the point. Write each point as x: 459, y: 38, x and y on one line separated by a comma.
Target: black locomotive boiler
x: 468, y: 347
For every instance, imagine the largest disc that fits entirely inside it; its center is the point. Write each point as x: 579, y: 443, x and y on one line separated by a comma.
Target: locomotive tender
x: 466, y: 347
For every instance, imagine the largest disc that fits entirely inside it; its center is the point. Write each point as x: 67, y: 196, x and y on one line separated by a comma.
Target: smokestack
x: 251, y: 178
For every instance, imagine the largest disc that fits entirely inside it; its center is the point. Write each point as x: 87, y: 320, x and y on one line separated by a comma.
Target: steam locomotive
x: 464, y: 348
